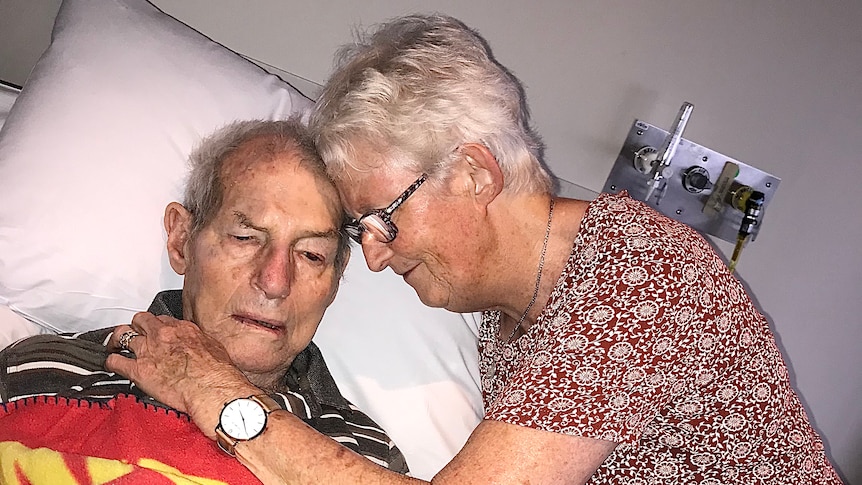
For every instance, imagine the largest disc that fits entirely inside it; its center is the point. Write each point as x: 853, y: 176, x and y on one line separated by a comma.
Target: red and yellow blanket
x: 49, y: 441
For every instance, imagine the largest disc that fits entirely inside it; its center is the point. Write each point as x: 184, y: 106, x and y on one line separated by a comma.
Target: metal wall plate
x: 673, y: 198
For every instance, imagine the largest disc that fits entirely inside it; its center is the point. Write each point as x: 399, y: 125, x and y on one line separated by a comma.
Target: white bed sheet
x: 14, y: 327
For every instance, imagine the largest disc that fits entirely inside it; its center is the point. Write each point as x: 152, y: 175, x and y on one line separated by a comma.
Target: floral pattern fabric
x: 648, y: 341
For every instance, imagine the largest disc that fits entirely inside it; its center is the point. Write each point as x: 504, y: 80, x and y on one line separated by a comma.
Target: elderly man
x: 258, y: 242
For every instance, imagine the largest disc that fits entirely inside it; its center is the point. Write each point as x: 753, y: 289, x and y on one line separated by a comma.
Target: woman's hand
x: 179, y: 366
x: 113, y: 344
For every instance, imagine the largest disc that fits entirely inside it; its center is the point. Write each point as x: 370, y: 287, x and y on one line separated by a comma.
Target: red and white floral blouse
x: 647, y: 340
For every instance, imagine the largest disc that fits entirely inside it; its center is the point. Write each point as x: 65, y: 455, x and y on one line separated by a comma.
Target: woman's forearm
x: 291, y: 452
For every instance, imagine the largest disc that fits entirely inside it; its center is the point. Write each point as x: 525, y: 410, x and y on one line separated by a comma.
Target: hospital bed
x: 92, y: 148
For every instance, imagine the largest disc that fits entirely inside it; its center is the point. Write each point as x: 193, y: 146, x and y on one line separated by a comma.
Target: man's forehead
x: 244, y: 219
x: 256, y: 152
x: 255, y: 187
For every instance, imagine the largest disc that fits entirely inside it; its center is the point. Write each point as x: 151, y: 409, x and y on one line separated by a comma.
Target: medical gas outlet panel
x: 711, y: 192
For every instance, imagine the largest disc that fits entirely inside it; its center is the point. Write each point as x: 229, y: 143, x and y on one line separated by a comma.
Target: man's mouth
x: 268, y: 324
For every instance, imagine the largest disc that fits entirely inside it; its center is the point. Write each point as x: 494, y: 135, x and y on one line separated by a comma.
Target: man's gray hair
x: 205, y: 188
x: 415, y: 90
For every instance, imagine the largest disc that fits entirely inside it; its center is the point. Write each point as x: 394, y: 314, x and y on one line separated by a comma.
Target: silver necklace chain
x: 538, y: 276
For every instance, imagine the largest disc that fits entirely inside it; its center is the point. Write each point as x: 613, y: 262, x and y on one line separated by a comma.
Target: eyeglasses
x: 378, y: 222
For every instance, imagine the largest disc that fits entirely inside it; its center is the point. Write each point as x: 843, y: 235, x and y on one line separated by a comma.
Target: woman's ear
x: 485, y: 177
x: 178, y: 221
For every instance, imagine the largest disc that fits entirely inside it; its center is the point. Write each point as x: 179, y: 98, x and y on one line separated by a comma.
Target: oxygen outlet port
x: 695, y: 179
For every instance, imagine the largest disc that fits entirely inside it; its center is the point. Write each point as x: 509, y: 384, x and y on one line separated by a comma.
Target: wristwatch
x: 243, y: 419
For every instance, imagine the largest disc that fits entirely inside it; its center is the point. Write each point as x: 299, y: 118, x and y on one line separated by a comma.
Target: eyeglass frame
x: 355, y: 228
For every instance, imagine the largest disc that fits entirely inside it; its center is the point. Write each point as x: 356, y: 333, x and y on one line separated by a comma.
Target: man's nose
x: 377, y: 254
x: 273, y: 277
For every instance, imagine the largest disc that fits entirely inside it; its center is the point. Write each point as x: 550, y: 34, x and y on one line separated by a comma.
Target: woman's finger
x: 113, y: 344
x: 128, y: 337
x: 146, y: 322
x: 120, y: 364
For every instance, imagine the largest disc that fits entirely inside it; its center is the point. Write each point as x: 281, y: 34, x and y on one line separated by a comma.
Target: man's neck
x: 273, y: 381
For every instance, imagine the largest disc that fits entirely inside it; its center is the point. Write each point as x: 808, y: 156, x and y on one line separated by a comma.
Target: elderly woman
x: 615, y: 346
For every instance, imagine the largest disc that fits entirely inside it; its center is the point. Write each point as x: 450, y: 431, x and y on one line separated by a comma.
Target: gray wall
x: 775, y: 83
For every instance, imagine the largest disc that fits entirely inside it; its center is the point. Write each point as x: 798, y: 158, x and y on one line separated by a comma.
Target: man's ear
x: 485, y: 177
x: 178, y: 222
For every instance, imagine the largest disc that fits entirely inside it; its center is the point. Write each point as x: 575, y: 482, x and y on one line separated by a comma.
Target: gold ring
x: 126, y: 338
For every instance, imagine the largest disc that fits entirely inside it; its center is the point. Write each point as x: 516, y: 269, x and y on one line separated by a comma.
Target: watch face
x: 243, y: 419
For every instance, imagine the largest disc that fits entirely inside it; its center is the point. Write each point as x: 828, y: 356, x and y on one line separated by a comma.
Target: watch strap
x: 269, y: 404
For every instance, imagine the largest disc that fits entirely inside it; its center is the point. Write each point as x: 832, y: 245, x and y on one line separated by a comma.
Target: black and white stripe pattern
x: 73, y: 366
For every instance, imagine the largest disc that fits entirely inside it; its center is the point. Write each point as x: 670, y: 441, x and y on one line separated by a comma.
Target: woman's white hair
x: 414, y: 91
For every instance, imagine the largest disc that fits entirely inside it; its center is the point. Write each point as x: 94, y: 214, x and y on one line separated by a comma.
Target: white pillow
x: 96, y: 146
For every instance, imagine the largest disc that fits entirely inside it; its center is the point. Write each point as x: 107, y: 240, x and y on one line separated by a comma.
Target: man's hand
x: 180, y: 366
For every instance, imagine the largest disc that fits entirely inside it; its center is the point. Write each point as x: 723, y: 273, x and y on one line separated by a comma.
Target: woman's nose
x: 377, y: 254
